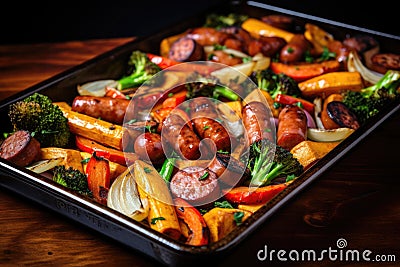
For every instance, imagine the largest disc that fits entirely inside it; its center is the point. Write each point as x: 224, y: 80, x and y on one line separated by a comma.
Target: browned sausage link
x: 186, y: 49
x: 224, y: 58
x: 106, y: 108
x: 292, y: 127
x: 383, y: 62
x: 148, y: 147
x: 257, y: 122
x: 238, y: 33
x: 361, y: 43
x: 207, y: 36
x: 295, y: 49
x: 267, y: 45
x: 197, y: 185
x: 341, y: 51
x: 228, y: 169
x: 181, y: 137
x: 204, y: 119
x: 20, y: 148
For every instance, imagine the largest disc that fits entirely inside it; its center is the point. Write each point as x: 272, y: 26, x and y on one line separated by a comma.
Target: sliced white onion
x: 317, y: 112
x: 96, y: 88
x: 42, y: 166
x: 354, y: 64
x: 123, y: 196
x: 331, y: 135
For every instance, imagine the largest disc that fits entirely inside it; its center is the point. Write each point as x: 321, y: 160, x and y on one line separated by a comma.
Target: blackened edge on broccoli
x: 73, y: 179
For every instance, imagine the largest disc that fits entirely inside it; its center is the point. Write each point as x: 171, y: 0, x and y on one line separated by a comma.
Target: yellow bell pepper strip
x: 199, y: 232
x: 104, y: 132
x: 259, y: 195
x: 98, y: 175
x: 305, y: 71
x: 331, y: 83
x: 151, y: 186
x: 87, y: 145
x: 258, y: 28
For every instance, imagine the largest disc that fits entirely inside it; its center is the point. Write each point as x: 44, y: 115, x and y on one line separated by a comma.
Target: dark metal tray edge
x: 132, y: 234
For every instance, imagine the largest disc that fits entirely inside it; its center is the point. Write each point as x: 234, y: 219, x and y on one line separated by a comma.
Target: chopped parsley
x: 224, y: 204
x: 204, y: 176
x: 154, y: 220
x: 147, y: 170
x: 238, y: 217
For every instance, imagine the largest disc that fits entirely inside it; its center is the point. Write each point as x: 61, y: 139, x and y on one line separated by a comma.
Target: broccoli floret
x: 268, y: 161
x: 72, y: 178
x: 218, y: 21
x: 207, y: 87
x: 370, y: 100
x: 38, y: 115
x: 276, y: 84
x: 140, y: 70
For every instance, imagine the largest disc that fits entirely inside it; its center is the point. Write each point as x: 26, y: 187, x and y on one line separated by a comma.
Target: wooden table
x: 358, y: 199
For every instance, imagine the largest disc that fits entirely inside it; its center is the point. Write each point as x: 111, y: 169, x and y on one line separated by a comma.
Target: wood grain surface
x: 358, y: 199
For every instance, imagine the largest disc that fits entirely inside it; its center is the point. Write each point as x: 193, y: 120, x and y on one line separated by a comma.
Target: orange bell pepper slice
x: 199, y: 232
x: 98, y: 176
x: 305, y: 71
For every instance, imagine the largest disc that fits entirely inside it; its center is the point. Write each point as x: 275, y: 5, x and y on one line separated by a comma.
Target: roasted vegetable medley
x: 195, y: 138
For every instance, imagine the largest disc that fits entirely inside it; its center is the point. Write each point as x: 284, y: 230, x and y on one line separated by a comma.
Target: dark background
x: 53, y: 21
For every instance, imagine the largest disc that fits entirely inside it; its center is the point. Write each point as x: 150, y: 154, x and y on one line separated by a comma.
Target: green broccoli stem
x: 131, y: 81
x: 389, y: 81
x: 167, y: 169
x: 225, y: 92
x: 266, y: 174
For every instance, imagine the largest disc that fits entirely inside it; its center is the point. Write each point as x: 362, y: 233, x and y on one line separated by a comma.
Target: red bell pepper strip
x: 290, y: 100
x: 98, y: 176
x: 305, y: 71
x: 199, y: 232
x: 162, y: 62
x: 174, y: 99
x: 86, y: 145
x: 260, y: 195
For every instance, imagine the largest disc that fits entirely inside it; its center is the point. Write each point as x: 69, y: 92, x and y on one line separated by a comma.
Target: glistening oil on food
x: 193, y: 140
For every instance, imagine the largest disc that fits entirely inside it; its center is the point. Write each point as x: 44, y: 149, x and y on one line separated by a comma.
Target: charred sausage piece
x: 186, y: 49
x: 279, y: 21
x: 20, y: 148
x: 197, y: 185
x: 361, y: 43
x: 181, y: 137
x: 257, y: 121
x: 341, y: 115
x: 228, y: 169
x: 107, y: 108
x: 382, y: 62
x: 204, y: 118
x: 238, y: 33
x: 148, y: 147
x: 292, y: 127
x: 295, y: 49
x: 233, y: 43
x: 207, y: 36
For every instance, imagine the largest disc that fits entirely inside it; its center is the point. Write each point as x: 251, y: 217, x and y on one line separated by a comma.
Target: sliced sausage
x: 228, y: 169
x: 107, y: 108
x: 256, y: 118
x: 20, y: 148
x: 207, y: 36
x: 204, y: 117
x: 292, y: 127
x: 186, y: 49
x: 181, y: 137
x: 148, y: 147
x: 295, y: 49
x: 197, y: 185
x: 267, y: 45
x: 382, y: 62
x: 342, y: 115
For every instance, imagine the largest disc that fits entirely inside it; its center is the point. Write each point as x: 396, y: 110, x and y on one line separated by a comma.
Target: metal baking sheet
x: 62, y: 87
